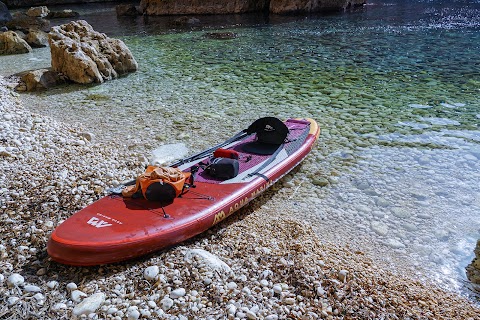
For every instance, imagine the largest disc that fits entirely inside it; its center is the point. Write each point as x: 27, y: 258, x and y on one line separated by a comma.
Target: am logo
x: 97, y: 223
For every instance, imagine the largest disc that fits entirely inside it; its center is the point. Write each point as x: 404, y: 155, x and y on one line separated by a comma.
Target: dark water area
x: 395, y: 87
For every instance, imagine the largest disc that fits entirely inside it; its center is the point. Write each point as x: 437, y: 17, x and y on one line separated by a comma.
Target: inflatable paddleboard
x: 116, y: 228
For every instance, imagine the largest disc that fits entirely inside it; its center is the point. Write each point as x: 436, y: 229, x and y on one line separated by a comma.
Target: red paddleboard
x: 114, y: 228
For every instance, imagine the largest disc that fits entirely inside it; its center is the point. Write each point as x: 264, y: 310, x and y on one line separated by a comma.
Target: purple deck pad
x: 248, y: 160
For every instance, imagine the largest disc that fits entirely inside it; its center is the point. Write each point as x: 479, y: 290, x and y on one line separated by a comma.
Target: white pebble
x: 251, y: 315
x: 133, y: 313
x: 151, y: 272
x: 52, y: 284
x: 77, y: 295
x: 90, y: 304
x: 231, y: 285
x: 39, y: 297
x: 167, y: 303
x: 289, y: 301
x: 12, y: 300
x: 112, y: 310
x: 277, y: 288
x: 342, y: 275
x: 59, y: 306
x: 71, y: 286
x: 231, y: 309
x: 177, y: 293
x: 15, y: 279
x: 32, y: 288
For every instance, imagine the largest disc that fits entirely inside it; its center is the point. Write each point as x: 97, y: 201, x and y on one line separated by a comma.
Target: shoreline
x: 278, y: 265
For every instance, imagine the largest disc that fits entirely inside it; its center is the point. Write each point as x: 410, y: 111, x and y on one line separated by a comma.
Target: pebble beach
x: 261, y: 263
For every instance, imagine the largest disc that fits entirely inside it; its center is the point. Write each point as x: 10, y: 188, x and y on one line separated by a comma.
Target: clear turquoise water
x: 395, y: 87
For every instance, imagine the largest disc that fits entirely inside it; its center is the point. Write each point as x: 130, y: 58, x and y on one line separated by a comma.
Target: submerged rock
x: 302, y: 6
x: 84, y: 55
x: 185, y: 21
x: 67, y: 13
x: 220, y: 35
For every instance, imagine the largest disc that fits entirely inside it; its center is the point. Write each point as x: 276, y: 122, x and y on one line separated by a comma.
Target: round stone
x: 32, y: 288
x: 177, y: 293
x: 151, y: 272
x: 379, y: 228
x: 342, y: 275
x: 167, y: 303
x: 71, y: 286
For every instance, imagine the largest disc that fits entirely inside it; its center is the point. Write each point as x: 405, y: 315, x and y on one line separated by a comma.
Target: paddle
x: 205, y: 153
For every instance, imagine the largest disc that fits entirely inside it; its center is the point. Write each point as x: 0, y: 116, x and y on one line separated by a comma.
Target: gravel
x: 258, y: 264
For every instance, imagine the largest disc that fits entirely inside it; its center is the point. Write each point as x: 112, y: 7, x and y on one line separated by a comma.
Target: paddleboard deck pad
x: 115, y: 228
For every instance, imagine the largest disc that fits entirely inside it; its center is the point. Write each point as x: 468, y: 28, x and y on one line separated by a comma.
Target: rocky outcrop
x: 473, y: 269
x: 124, y: 10
x: 168, y: 7
x: 40, y: 12
x: 11, y: 43
x: 40, y: 79
x: 28, y: 3
x: 85, y: 56
x: 67, y: 13
x: 37, y: 38
x: 310, y: 6
x: 185, y: 21
x: 24, y: 22
x: 5, y: 15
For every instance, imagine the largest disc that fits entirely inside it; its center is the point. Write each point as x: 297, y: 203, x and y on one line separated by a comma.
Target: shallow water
x: 394, y: 86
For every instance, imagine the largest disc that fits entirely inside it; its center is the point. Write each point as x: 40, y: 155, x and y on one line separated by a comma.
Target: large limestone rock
x: 11, y: 43
x: 169, y: 7
x: 85, y: 56
x: 307, y: 6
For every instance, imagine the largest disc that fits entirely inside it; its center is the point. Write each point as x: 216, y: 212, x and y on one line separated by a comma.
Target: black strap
x: 266, y: 163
